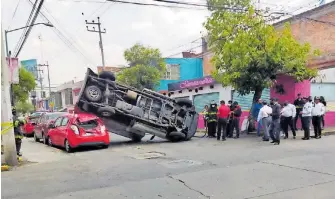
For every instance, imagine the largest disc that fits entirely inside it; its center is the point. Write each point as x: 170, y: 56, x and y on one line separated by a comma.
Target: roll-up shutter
x: 200, y: 101
x: 245, y: 101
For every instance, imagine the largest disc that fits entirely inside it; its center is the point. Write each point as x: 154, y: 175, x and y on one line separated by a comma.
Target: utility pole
x: 47, y: 65
x: 100, y: 36
x: 40, y: 79
x: 8, y: 139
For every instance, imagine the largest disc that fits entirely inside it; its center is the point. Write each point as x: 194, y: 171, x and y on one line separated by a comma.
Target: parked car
x: 71, y: 131
x: 29, y: 126
x: 132, y: 113
x: 42, y: 126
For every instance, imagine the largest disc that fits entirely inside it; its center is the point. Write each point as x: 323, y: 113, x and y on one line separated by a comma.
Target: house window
x: 172, y: 72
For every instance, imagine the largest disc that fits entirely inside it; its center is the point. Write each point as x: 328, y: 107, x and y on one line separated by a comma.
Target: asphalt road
x: 201, y: 168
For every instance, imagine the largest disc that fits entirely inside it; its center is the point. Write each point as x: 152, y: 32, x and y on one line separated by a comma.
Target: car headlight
x: 75, y: 129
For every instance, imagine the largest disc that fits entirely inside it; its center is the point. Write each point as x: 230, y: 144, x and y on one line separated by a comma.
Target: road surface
x: 201, y: 168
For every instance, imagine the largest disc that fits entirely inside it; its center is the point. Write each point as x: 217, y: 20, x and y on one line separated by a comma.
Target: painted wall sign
x: 208, y: 80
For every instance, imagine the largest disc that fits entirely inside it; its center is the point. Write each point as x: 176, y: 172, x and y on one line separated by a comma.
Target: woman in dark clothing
x: 323, y: 101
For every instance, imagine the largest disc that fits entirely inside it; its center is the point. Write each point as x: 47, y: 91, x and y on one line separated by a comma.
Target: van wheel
x: 107, y: 75
x: 184, y: 102
x: 67, y: 146
x: 93, y: 93
x: 136, y: 137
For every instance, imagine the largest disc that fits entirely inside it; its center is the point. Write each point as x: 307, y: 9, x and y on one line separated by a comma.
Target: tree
x: 24, y: 107
x: 27, y: 83
x: 146, y: 67
x: 248, y: 52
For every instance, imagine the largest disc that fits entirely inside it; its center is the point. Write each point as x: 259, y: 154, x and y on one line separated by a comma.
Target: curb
x: 329, y: 133
x: 5, y: 168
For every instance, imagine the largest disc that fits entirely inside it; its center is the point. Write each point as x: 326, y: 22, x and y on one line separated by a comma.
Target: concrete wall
x: 190, y: 68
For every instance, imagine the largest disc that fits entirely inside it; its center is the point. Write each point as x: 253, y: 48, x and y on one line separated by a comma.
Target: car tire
x: 106, y: 111
x: 67, y: 146
x: 36, y: 139
x: 105, y: 146
x: 136, y: 137
x: 49, y: 141
x: 93, y: 93
x: 107, y: 75
x: 45, y: 141
x: 184, y: 102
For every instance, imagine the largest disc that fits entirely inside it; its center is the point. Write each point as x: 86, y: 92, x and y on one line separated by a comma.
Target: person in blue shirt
x: 255, y: 111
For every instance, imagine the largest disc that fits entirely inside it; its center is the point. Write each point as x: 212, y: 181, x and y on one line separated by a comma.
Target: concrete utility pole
x: 100, y: 42
x: 8, y: 138
x: 47, y: 65
x: 40, y: 79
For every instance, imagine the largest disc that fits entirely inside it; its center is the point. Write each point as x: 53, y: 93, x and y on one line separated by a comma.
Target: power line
x: 25, y: 30
x: 17, y: 5
x: 29, y: 28
x: 152, y: 4
x: 62, y: 37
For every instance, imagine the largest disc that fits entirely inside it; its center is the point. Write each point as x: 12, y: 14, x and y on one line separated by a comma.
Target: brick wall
x: 320, y: 35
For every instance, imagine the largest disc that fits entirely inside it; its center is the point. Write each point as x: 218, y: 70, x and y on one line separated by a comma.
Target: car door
x: 54, y: 132
x: 63, y: 131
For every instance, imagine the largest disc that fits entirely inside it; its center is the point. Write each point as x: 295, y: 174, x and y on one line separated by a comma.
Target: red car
x: 76, y: 130
x: 44, y: 122
x: 29, y: 126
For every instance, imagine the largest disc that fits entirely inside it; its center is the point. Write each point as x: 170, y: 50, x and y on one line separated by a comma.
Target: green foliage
x: 27, y: 83
x: 24, y: 107
x: 146, y: 66
x: 248, y: 53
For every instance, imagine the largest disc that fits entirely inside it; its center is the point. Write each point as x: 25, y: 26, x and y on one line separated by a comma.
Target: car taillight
x: 75, y: 129
x: 102, y: 128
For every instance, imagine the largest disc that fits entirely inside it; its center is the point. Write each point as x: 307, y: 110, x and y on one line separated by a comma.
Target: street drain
x: 181, y: 163
x: 150, y: 155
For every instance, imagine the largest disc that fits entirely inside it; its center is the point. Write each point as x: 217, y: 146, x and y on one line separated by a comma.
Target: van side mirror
x: 51, y: 126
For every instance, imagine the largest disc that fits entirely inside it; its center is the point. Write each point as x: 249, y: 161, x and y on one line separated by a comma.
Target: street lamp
x: 8, y: 31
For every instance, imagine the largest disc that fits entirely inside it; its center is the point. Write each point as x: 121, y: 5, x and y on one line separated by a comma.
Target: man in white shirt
x: 264, y: 117
x: 317, y: 112
x: 306, y: 114
x: 288, y: 113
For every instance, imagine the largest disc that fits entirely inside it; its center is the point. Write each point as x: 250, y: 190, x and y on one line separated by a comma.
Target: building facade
x: 178, y: 69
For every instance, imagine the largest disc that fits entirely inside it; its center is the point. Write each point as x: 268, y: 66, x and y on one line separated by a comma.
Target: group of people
x: 222, y: 120
x: 274, y: 118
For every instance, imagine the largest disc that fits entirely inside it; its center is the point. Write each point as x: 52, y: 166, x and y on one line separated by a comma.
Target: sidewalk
x: 325, y: 132
x: 33, y: 152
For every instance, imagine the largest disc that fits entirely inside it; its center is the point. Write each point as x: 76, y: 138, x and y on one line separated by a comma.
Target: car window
x: 64, y: 122
x: 58, y: 122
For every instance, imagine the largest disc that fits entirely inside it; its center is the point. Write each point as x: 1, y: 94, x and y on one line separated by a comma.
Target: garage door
x: 200, y: 101
x: 245, y: 101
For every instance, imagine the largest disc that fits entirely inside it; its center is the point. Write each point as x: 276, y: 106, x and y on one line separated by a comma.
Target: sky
x: 172, y: 30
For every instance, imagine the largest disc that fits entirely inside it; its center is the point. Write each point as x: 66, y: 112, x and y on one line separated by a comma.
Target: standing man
x: 275, y: 123
x: 264, y: 118
x: 235, y: 114
x: 288, y: 113
x: 204, y: 113
x: 306, y: 115
x: 223, y: 114
x: 257, y: 107
x: 299, y: 104
x: 230, y: 119
x: 17, y: 132
x: 317, y: 112
x: 212, y: 119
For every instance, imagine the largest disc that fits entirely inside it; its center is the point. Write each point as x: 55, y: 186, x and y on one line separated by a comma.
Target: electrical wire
x: 63, y: 38
x: 17, y: 5
x: 25, y: 30
x: 29, y: 28
x: 152, y: 4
